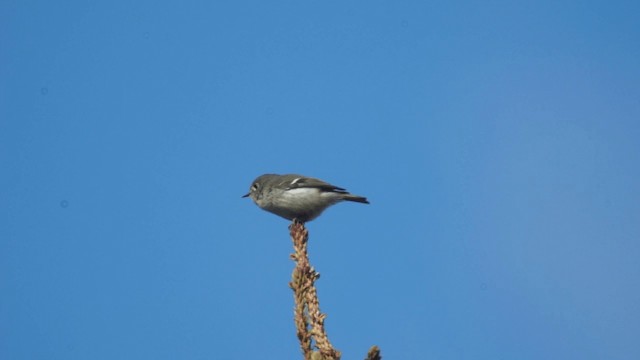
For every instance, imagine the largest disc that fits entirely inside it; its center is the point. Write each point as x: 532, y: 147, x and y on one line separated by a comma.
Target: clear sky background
x: 498, y: 143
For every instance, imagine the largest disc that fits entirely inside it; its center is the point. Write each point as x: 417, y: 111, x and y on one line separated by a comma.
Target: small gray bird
x: 297, y: 197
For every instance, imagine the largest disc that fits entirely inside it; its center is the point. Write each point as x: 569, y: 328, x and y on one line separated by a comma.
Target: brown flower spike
x: 307, y: 316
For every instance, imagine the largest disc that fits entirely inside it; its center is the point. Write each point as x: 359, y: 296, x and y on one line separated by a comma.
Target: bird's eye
x: 254, y: 187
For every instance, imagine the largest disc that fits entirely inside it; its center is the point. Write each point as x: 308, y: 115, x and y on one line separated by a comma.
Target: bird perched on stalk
x: 297, y: 197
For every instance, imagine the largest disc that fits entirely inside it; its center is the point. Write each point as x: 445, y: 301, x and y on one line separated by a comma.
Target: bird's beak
x: 244, y: 196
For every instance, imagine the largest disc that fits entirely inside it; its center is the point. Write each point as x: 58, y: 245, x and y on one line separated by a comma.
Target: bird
x: 297, y: 197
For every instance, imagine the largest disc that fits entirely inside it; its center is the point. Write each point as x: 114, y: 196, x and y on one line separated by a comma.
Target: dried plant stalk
x: 308, y: 318
x: 300, y: 318
x: 374, y: 353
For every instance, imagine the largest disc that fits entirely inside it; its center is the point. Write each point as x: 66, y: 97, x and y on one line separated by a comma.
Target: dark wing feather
x: 307, y: 182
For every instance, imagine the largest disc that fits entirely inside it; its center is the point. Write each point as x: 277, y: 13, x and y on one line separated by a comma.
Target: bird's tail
x: 356, y: 198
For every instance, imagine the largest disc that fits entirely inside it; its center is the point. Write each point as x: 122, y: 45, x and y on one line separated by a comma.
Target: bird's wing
x: 297, y: 182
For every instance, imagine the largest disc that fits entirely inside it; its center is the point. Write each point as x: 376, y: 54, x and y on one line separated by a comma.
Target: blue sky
x: 497, y: 142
